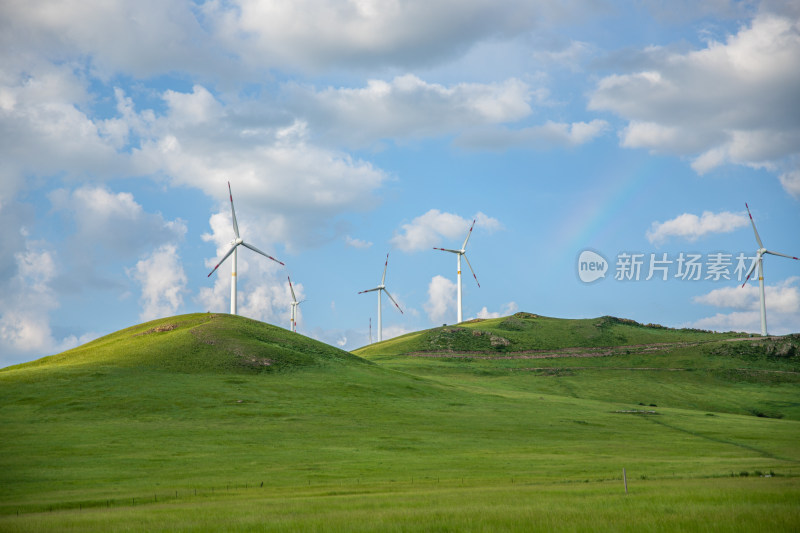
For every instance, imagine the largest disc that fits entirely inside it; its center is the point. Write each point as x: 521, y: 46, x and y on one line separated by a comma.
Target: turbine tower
x: 759, y: 261
x: 382, y: 288
x: 459, y: 253
x: 234, y: 245
x: 295, y: 304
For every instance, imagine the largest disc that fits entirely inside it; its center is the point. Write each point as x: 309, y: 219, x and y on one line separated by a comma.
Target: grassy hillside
x: 527, y: 331
x: 164, y: 428
x: 607, y: 359
x: 200, y: 342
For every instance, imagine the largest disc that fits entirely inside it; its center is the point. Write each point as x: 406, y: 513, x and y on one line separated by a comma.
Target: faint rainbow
x: 599, y: 211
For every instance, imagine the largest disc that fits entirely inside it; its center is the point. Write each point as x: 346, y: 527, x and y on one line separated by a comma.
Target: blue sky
x: 353, y: 129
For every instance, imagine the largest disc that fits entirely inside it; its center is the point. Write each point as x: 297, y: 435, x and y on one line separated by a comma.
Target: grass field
x: 215, y: 421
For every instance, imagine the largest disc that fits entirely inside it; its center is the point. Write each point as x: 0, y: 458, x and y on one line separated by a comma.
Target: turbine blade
x: 233, y: 212
x: 256, y: 250
x: 395, y: 303
x: 448, y: 250
x: 370, y: 290
x: 758, y: 239
x: 780, y: 254
x: 473, y: 272
x: 294, y: 298
x: 224, y: 257
x: 464, y: 246
x: 750, y: 272
x: 383, y: 279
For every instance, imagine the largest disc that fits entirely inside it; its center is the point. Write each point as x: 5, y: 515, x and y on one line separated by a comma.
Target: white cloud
x: 105, y: 231
x: 163, y: 282
x: 441, y: 299
x: 408, y: 107
x: 508, y: 309
x: 569, y: 56
x: 730, y: 102
x: 289, y: 184
x: 262, y: 288
x: 115, y: 222
x: 392, y: 331
x: 692, y: 227
x: 544, y: 136
x: 791, y: 182
x: 142, y: 37
x: 25, y: 305
x: 428, y: 229
x: 357, y: 243
x: 40, y: 113
x: 782, y: 302
x: 315, y: 34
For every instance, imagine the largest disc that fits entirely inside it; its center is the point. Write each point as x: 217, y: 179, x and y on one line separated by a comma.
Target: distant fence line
x: 174, y: 495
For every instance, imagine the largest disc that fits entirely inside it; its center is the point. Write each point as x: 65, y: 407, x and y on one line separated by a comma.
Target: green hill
x: 527, y: 331
x: 202, y: 342
x: 218, y: 422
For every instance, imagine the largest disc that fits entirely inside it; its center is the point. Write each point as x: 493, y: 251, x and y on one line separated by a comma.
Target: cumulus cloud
x: 109, y: 221
x: 692, y: 227
x: 730, y: 102
x: 280, y: 175
x: 163, y: 282
x: 441, y: 299
x: 262, y: 288
x: 782, y: 302
x: 142, y: 37
x: 791, y: 182
x: 547, y: 135
x: 428, y: 229
x: 105, y: 232
x: 40, y: 113
x: 408, y: 107
x: 25, y: 305
x: 314, y: 34
x: 357, y: 243
x: 508, y: 309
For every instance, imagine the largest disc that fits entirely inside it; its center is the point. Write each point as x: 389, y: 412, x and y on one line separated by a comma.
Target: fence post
x: 625, y: 479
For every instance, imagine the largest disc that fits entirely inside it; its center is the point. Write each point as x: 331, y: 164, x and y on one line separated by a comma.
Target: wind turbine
x: 235, y: 244
x: 370, y: 330
x: 759, y: 261
x: 459, y: 253
x: 382, y: 288
x: 295, y: 304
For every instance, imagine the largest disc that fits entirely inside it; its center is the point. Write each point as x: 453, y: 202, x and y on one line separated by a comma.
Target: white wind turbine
x: 459, y: 253
x: 382, y: 288
x: 235, y: 244
x: 295, y: 304
x: 759, y: 261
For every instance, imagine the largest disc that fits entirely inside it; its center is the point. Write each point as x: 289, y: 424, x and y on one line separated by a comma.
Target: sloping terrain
x: 201, y: 342
x: 527, y: 332
x: 607, y: 359
x: 199, y: 420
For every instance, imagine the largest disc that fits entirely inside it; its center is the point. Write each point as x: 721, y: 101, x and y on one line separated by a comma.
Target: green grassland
x: 215, y: 421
